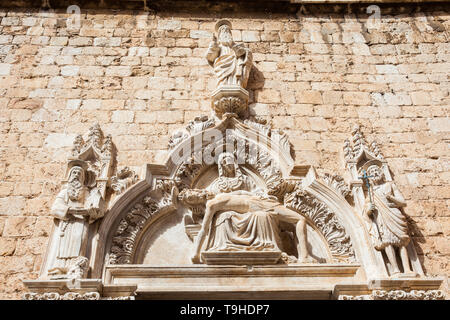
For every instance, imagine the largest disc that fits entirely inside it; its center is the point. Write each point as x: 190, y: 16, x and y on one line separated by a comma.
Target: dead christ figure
x: 253, y: 212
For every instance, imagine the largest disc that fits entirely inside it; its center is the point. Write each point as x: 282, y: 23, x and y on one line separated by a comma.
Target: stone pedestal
x: 229, y: 99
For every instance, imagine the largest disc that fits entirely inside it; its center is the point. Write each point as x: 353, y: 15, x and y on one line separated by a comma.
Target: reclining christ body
x: 237, y: 219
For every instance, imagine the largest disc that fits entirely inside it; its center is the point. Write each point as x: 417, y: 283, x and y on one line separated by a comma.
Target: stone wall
x: 142, y: 75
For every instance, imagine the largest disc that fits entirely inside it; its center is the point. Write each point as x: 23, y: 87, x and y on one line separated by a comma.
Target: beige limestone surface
x: 142, y: 75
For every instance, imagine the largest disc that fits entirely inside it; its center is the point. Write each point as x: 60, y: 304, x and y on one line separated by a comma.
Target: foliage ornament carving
x: 71, y: 296
x: 336, y: 182
x: 325, y: 220
x: 58, y: 296
x: 398, y: 295
x: 123, y: 179
x: 129, y: 227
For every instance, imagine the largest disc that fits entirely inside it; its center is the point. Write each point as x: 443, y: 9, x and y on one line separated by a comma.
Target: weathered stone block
x: 19, y: 226
x: 308, y: 96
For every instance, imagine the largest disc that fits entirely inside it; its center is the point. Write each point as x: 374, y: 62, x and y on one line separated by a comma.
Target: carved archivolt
x: 268, y: 169
x: 337, y: 183
x: 325, y: 220
x: 199, y: 124
x: 129, y: 227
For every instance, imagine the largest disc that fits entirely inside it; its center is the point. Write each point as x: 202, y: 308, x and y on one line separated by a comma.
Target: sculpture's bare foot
x: 307, y: 259
x: 195, y: 259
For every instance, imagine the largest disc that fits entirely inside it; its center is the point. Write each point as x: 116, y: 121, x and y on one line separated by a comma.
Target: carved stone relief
x: 71, y: 296
x: 58, y: 296
x: 124, y: 238
x: 398, y: 295
x: 82, y: 201
x: 325, y: 220
x: 123, y: 179
x: 380, y: 203
x: 239, y: 199
x: 232, y: 63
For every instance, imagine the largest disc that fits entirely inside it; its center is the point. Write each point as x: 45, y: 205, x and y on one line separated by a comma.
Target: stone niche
x: 229, y: 215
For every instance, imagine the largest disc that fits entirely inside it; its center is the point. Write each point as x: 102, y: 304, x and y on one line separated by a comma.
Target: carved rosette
x: 326, y: 221
x: 398, y: 295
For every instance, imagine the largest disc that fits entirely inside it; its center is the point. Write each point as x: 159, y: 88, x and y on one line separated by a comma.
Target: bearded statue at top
x: 232, y: 63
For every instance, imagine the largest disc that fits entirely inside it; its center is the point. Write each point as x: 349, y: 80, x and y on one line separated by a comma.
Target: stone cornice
x: 258, y: 5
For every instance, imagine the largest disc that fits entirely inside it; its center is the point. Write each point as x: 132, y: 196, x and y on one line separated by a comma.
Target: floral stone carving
x: 322, y: 217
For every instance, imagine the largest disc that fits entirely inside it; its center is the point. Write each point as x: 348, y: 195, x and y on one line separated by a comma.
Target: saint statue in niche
x: 231, y: 62
x: 76, y: 206
x: 389, y: 220
x: 242, y: 218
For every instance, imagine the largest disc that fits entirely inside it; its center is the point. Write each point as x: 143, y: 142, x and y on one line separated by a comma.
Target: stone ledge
x: 62, y: 286
x: 309, y: 270
x: 241, y: 257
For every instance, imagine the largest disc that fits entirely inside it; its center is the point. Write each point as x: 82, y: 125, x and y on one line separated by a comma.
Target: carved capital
x: 229, y: 100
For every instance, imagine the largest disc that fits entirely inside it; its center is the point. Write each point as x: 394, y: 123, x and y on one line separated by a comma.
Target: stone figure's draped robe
x: 392, y: 224
x: 256, y: 231
x: 229, y: 68
x: 72, y: 229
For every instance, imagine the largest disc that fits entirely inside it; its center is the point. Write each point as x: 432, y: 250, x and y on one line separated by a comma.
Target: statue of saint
x: 390, y: 221
x: 232, y: 62
x: 241, y: 217
x: 76, y: 206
